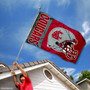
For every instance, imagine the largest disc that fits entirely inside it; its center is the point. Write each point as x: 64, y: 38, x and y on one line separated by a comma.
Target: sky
x: 16, y: 18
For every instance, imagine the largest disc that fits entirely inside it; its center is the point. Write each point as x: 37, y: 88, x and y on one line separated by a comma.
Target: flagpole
x: 27, y: 36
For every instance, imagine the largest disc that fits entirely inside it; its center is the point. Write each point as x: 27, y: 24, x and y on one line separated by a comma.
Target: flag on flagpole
x: 55, y: 37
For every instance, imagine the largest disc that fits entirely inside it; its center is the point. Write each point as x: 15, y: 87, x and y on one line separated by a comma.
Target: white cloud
x: 30, y: 48
x: 88, y: 40
x: 40, y: 55
x: 35, y: 51
x: 21, y: 33
x: 86, y: 31
x: 63, y: 2
x: 44, y: 4
x: 76, y: 76
x: 9, y: 4
x: 86, y: 28
x: 9, y: 57
x: 69, y: 71
x: 36, y: 4
x: 84, y: 11
x: 83, y: 14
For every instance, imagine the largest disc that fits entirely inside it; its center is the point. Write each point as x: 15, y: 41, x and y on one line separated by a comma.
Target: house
x: 44, y: 74
x: 84, y: 84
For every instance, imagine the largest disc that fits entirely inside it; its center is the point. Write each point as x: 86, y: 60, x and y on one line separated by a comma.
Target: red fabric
x: 55, y: 37
x: 27, y: 85
x: 78, y: 47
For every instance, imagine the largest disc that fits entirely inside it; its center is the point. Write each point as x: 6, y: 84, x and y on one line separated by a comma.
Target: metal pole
x: 27, y: 36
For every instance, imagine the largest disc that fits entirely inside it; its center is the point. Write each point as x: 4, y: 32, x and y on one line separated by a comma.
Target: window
x: 48, y: 74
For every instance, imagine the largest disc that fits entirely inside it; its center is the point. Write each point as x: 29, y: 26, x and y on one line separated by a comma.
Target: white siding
x: 7, y: 84
x: 40, y: 82
x: 85, y: 85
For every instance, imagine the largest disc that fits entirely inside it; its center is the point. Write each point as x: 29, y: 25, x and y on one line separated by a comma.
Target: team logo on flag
x: 55, y: 37
x: 63, y: 41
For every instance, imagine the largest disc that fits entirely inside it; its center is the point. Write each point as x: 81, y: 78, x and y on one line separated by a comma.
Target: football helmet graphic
x: 62, y: 40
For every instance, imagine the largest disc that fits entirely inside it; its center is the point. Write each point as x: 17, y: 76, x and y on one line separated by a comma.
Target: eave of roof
x: 37, y: 64
x: 83, y: 80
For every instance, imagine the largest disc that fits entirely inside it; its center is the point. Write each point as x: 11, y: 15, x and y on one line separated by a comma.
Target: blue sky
x: 16, y: 18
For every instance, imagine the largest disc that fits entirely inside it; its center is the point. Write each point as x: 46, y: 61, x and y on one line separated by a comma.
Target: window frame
x: 51, y: 80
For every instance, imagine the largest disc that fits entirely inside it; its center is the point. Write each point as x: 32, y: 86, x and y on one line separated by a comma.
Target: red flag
x: 55, y: 37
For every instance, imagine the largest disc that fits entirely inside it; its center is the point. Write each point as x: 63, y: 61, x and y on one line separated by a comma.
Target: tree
x: 84, y: 74
x: 64, y: 71
x: 71, y: 77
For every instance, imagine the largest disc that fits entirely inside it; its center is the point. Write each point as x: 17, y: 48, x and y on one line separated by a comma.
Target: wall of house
x: 39, y: 82
x: 85, y: 86
x: 7, y: 84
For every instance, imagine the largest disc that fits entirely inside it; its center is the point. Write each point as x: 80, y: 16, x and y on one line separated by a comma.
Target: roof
x: 59, y: 72
x: 83, y: 80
